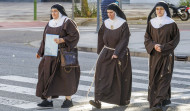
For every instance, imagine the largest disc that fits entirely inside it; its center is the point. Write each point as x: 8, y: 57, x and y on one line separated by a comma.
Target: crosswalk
x: 180, y: 89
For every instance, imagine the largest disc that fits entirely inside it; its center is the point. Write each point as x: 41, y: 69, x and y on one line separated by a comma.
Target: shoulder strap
x: 62, y: 25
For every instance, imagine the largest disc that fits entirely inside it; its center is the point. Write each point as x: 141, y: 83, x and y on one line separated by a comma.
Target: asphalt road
x: 18, y: 76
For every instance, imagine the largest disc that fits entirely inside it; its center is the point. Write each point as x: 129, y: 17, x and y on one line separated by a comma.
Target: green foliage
x: 184, y: 3
x: 89, y: 11
x: 77, y: 12
x: 93, y: 11
x: 85, y: 11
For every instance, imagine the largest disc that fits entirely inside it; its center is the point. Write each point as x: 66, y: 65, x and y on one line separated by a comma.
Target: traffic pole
x: 98, y: 16
x: 35, y: 9
x: 120, y: 4
x: 73, y: 6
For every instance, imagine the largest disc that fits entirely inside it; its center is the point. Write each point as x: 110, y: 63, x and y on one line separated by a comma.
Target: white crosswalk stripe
x: 137, y: 97
x: 17, y: 103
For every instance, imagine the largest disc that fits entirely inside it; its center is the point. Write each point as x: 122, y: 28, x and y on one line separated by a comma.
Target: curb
x: 132, y: 53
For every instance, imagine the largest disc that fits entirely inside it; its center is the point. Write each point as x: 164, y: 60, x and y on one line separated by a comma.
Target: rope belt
x: 108, y: 48
x: 94, y: 68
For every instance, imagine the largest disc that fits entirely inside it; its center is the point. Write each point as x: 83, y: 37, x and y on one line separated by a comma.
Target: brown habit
x: 161, y: 63
x: 53, y: 79
x: 113, y: 81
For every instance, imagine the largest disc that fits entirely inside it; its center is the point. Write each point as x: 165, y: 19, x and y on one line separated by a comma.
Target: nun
x: 104, y: 5
x: 161, y: 38
x: 53, y: 79
x: 113, y: 75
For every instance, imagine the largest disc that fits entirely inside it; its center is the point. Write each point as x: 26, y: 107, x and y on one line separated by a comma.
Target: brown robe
x: 53, y: 79
x: 161, y: 63
x: 113, y: 77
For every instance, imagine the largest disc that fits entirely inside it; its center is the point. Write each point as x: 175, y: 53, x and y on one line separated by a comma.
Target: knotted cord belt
x: 95, y: 68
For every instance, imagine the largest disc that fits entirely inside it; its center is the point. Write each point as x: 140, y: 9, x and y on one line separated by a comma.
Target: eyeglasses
x: 54, y: 11
x: 160, y: 9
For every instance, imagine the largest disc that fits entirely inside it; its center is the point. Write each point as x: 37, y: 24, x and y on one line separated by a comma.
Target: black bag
x: 69, y: 58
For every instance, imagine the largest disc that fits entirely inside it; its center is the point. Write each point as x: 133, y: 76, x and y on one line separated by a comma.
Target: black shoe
x: 96, y: 104
x: 46, y: 104
x: 158, y: 107
x: 67, y: 104
x: 166, y: 102
x: 124, y: 103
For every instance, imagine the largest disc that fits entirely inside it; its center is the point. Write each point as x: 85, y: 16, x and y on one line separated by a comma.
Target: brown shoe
x: 96, y: 104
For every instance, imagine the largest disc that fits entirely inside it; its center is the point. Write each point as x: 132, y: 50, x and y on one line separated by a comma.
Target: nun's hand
x: 157, y: 47
x: 59, y: 40
x: 37, y: 56
x: 114, y: 57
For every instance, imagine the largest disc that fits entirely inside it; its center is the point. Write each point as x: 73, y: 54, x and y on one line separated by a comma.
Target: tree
x: 85, y: 11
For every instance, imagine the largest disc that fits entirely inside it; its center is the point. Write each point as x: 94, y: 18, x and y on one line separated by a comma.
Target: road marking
x: 90, y: 79
x: 34, y: 80
x: 137, y: 97
x: 17, y: 89
x: 17, y: 103
x: 173, y: 81
x: 31, y: 91
x: 182, y: 71
x: 19, y: 79
x: 145, y: 86
x: 87, y: 72
x: 174, y: 74
x: 106, y: 106
x: 146, y: 77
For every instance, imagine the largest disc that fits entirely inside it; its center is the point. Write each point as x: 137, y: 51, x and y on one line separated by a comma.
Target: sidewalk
x: 88, y: 43
x: 136, y: 14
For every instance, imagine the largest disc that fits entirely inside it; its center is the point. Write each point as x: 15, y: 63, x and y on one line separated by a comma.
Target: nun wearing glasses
x: 161, y: 38
x: 53, y: 79
x: 113, y: 75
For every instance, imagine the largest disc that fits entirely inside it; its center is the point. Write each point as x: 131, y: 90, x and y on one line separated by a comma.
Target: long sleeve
x: 42, y: 46
x: 148, y: 42
x: 169, y: 47
x: 124, y: 40
x: 72, y: 37
x: 100, y: 39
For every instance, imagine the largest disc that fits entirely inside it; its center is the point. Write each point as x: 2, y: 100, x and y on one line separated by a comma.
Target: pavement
x: 22, y: 17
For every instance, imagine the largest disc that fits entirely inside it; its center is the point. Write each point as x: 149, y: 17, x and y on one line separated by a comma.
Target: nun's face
x: 55, y: 13
x: 160, y: 11
x: 111, y: 14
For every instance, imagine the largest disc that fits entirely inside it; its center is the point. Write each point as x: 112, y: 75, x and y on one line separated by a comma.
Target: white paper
x: 51, y: 48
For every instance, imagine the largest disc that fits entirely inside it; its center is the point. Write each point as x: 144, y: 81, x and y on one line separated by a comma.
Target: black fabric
x: 117, y: 10
x: 164, y: 5
x: 60, y: 8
